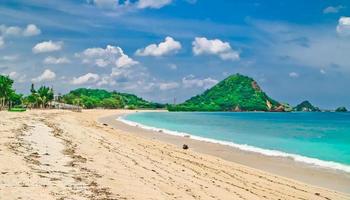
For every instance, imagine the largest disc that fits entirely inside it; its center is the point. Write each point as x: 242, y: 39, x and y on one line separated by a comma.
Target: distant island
x: 341, y: 109
x: 306, y: 106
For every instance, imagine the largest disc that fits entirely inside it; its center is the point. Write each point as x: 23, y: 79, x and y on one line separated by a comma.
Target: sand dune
x: 66, y: 155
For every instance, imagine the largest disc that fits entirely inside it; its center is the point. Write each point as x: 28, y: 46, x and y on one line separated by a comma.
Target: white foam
x: 311, y: 161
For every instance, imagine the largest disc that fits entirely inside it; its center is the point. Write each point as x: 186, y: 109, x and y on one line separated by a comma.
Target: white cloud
x: 2, y: 42
x: 84, y: 79
x: 190, y: 81
x: 31, y: 30
x: 314, y: 46
x: 152, y: 3
x: 125, y: 61
x: 10, y: 30
x: 168, y: 86
x: 17, y: 77
x: 47, y: 46
x: 124, y: 70
x: 343, y: 27
x: 293, y: 75
x: 9, y: 57
x: 12, y: 75
x: 140, y: 4
x: 173, y: 66
x: 333, y: 9
x: 106, y: 80
x: 47, y: 75
x: 56, y: 61
x: 169, y: 46
x: 322, y: 71
x: 110, y: 56
x: 202, y: 46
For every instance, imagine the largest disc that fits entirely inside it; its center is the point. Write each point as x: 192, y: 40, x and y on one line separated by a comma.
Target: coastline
x: 61, y: 154
x: 317, y: 163
x: 278, y: 163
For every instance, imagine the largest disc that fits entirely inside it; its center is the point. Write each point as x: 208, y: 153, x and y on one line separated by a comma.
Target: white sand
x: 65, y: 155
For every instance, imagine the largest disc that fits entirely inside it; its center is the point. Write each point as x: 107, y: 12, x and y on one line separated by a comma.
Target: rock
x: 185, y: 146
x: 280, y: 108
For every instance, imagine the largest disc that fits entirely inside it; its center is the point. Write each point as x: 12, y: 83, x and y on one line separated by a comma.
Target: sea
x: 321, y: 139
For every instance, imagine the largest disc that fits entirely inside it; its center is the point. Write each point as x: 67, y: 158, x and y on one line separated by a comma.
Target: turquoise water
x: 322, y: 136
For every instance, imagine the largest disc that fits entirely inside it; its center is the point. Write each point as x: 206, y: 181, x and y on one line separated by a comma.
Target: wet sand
x: 67, y: 155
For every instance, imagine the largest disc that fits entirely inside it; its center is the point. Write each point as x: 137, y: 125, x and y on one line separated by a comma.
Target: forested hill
x: 94, y: 98
x: 235, y: 93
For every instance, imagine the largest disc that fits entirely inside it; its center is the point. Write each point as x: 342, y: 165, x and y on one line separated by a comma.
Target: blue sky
x: 161, y: 49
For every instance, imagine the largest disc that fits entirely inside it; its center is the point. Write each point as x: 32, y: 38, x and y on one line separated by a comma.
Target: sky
x: 164, y: 49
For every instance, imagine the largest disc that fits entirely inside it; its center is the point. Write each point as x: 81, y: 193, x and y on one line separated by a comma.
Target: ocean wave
x: 298, y: 158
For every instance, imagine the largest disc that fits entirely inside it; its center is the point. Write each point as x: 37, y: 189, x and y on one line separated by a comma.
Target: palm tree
x: 45, y: 96
x: 6, y: 90
x: 41, y: 97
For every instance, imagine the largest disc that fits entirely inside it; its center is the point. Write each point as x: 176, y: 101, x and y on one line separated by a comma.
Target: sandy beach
x: 89, y: 155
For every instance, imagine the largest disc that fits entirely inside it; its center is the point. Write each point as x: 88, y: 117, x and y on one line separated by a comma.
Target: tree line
x: 38, y: 98
x: 82, y: 97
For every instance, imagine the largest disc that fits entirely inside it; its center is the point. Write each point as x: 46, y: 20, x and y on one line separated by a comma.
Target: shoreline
x: 320, y: 176
x: 314, y: 162
x: 73, y: 155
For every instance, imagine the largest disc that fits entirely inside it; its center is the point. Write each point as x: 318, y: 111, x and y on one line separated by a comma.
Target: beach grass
x: 17, y: 110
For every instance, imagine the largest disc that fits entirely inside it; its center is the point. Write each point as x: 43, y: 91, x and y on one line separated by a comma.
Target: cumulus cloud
x: 202, y: 46
x: 169, y: 46
x: 10, y: 30
x: 333, y: 9
x: 123, y: 68
x: 85, y: 79
x: 168, y: 85
x: 152, y: 3
x: 56, y: 61
x: 47, y: 75
x: 47, y: 46
x: 293, y: 75
x: 140, y: 4
x: 343, y: 27
x: 16, y: 31
x: 190, y: 81
x: 110, y: 56
x: 30, y: 30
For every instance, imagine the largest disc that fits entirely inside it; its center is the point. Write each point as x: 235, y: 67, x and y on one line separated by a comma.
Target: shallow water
x: 316, y: 138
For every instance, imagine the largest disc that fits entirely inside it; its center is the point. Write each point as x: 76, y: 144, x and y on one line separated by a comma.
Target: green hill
x: 341, y: 109
x: 306, y: 106
x: 235, y: 93
x: 94, y: 98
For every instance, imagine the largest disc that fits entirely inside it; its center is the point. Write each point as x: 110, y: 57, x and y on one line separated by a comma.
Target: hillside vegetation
x: 94, y: 98
x: 235, y: 93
